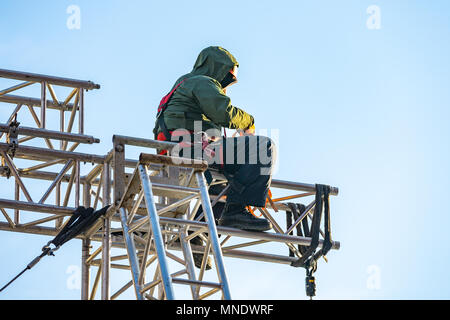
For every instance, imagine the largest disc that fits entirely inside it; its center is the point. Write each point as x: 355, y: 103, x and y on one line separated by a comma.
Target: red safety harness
x: 165, y: 100
x: 166, y: 135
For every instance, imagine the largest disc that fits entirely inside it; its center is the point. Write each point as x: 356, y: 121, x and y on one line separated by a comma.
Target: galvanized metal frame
x: 155, y: 204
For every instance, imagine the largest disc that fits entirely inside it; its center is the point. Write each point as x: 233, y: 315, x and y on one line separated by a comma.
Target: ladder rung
x: 196, y: 282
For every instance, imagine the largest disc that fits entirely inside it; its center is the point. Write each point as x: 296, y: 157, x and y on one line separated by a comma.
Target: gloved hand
x: 250, y: 131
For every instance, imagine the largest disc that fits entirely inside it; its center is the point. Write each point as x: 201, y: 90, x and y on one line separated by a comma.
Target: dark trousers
x: 246, y: 161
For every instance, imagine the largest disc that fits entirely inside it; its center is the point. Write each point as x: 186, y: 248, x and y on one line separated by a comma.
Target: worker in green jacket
x: 198, y: 103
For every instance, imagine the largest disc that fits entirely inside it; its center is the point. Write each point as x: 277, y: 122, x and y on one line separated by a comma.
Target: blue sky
x: 364, y: 110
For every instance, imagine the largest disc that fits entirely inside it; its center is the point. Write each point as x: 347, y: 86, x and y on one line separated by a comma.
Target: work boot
x: 198, y: 257
x: 237, y: 216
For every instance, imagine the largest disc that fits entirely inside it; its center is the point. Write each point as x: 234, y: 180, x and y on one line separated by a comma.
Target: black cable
x: 80, y: 221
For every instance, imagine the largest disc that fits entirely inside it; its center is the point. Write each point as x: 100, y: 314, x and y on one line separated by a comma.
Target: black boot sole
x: 232, y: 223
x: 198, y: 258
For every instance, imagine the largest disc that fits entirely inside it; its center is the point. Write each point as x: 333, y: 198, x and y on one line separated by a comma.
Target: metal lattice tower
x: 152, y: 219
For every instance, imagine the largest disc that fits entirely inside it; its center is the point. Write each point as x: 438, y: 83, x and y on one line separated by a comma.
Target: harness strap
x: 309, y: 257
x: 165, y: 131
x: 165, y: 100
x: 327, y: 243
x: 162, y: 106
x: 79, y: 222
x: 289, y: 223
x: 81, y: 219
x: 297, y: 210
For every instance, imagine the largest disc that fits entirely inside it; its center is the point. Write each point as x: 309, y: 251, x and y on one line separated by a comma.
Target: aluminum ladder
x: 140, y: 187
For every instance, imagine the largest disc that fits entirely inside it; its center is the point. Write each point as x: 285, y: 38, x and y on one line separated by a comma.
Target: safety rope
x: 321, y: 201
x: 309, y: 257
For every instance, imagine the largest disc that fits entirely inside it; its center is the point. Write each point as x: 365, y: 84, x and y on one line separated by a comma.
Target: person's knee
x: 265, y: 141
x: 266, y: 146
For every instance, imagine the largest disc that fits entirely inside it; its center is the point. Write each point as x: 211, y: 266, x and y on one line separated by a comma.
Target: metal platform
x: 154, y: 199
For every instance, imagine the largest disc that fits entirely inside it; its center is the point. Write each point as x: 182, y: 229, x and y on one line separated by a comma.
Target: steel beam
x: 35, y: 102
x: 106, y: 243
x: 35, y: 77
x: 51, y: 134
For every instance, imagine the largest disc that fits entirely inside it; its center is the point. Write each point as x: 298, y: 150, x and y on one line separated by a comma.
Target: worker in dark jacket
x: 198, y: 103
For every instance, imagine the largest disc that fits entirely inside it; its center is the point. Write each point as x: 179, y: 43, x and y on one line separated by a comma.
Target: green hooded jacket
x: 201, y: 97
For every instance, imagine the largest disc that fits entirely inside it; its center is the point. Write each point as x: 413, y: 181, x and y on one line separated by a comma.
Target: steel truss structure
x: 154, y: 200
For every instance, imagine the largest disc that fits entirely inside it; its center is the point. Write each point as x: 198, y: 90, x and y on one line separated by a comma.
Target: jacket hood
x: 214, y: 62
